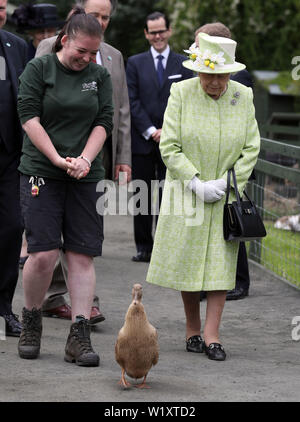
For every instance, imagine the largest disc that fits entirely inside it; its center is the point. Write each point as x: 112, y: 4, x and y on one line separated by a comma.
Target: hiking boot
x: 30, y: 338
x: 78, y: 348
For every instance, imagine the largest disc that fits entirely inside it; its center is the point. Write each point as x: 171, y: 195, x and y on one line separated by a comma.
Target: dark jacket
x: 243, y: 77
x: 148, y: 100
x: 15, y: 53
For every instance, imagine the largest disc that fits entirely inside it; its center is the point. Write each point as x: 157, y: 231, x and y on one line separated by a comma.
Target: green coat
x: 201, y: 137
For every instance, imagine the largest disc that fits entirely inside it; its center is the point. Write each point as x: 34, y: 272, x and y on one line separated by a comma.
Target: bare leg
x: 24, y: 247
x: 191, y: 302
x: 81, y: 283
x: 37, y: 275
x: 214, y: 309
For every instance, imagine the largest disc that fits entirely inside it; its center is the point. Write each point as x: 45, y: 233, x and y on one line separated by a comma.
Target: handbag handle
x: 238, y: 198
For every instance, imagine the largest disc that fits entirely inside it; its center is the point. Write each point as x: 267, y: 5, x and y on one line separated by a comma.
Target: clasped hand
x: 210, y: 191
x: 77, y: 167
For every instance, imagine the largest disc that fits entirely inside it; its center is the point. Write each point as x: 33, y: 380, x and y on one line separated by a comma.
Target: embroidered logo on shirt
x: 89, y: 86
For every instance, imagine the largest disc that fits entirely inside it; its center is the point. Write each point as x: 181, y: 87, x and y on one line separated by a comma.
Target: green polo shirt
x: 69, y: 104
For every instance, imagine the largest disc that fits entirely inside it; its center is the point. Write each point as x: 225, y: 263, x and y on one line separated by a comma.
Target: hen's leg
x: 143, y: 383
x: 123, y: 380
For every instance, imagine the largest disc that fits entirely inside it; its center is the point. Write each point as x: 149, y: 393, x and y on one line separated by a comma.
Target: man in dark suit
x: 13, y: 56
x: 149, y: 79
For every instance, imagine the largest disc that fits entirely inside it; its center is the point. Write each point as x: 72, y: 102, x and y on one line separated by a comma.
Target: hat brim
x: 54, y: 24
x: 230, y: 68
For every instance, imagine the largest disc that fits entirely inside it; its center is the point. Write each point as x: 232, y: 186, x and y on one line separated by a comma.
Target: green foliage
x: 63, y: 6
x: 126, y: 29
x: 267, y: 31
x: 286, y: 84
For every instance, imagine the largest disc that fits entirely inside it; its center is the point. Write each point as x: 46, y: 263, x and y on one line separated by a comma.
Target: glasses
x: 161, y: 32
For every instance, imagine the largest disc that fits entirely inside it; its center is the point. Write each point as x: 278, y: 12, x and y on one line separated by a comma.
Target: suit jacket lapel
x: 105, y: 57
x: 8, y: 49
x: 169, y: 67
x: 168, y: 70
x: 151, y: 68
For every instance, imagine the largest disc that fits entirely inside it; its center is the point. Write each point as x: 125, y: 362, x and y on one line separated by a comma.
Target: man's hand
x: 126, y: 174
x: 156, y: 135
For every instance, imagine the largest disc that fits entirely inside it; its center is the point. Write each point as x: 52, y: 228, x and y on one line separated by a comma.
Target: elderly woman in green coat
x: 209, y: 127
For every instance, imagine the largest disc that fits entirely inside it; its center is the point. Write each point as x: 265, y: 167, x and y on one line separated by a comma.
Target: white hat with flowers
x: 213, y: 55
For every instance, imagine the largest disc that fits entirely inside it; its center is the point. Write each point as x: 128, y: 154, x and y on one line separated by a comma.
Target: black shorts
x: 62, y: 215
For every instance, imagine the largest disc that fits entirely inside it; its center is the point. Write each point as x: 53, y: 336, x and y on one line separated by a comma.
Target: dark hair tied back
x: 78, y: 22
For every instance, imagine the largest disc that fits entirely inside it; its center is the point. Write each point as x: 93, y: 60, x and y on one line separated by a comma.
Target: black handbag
x: 241, y: 220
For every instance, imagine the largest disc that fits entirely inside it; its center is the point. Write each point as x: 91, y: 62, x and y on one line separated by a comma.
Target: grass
x: 285, y: 82
x: 280, y: 253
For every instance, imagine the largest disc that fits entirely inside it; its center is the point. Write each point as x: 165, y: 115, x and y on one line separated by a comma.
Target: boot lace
x: 31, y: 328
x: 83, y: 337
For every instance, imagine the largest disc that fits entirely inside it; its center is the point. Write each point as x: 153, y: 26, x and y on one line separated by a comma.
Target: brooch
x: 234, y: 100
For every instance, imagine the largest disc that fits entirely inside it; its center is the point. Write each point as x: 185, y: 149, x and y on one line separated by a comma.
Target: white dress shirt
x: 98, y: 58
x: 147, y: 134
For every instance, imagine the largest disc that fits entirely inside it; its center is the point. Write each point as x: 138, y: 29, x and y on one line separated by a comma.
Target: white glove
x: 218, y: 183
x: 208, y: 192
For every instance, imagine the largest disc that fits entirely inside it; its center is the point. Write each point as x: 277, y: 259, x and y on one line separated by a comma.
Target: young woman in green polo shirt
x: 65, y: 107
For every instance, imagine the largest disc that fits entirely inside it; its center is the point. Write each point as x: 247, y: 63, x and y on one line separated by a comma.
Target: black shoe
x: 13, y: 327
x: 202, y: 296
x: 142, y: 257
x: 215, y: 351
x: 195, y: 344
x: 22, y: 261
x: 237, y: 293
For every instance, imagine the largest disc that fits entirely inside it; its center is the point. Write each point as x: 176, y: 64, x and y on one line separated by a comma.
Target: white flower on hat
x: 213, y: 59
x: 218, y: 58
x: 207, y: 55
x: 207, y: 58
x: 193, y: 49
x: 193, y: 52
x: 212, y: 55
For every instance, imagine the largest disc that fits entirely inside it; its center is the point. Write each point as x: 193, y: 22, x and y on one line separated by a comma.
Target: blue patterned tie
x: 160, y: 69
